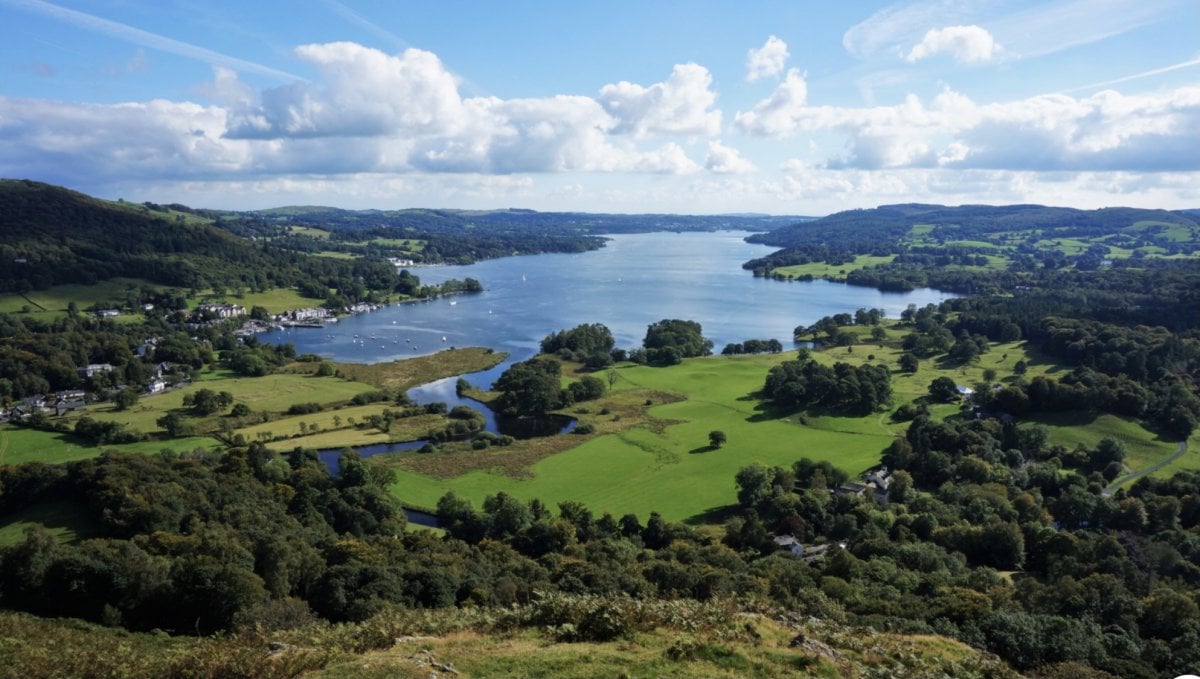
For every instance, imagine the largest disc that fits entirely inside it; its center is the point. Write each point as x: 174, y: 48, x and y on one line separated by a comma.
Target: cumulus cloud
x: 724, y: 159
x: 779, y: 114
x: 967, y: 44
x: 682, y: 104
x: 370, y: 112
x: 766, y: 61
x: 1104, y: 132
x: 366, y: 93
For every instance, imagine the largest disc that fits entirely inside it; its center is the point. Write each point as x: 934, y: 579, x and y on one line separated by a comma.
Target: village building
x: 789, y: 544
x: 223, y: 310
x: 93, y: 369
x: 308, y: 314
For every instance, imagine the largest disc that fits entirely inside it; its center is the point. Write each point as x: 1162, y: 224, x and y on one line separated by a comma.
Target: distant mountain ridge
x: 891, y: 222
x: 518, y: 219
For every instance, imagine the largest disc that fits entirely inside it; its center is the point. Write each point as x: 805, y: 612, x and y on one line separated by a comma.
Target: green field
x: 672, y: 471
x: 823, y: 270
x: 19, y: 445
x: 54, y: 301
x: 408, y: 244
x: 272, y: 393
x: 1145, y: 447
x: 275, y: 301
x: 67, y: 521
x: 331, y: 433
x: 311, y: 232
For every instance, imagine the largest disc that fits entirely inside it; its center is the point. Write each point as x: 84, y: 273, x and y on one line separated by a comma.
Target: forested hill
x: 897, y: 238
x: 50, y: 235
x: 887, y: 224
x: 517, y: 220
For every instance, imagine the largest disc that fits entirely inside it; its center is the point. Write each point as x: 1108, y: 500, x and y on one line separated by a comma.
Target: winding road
x: 1112, y: 487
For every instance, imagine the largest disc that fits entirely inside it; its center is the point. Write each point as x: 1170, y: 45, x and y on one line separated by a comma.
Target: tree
x: 530, y: 388
x: 671, y: 339
x: 588, y: 388
x: 716, y: 438
x: 175, y: 425
x: 909, y: 362
x: 206, y: 401
x: 125, y: 399
x: 944, y: 390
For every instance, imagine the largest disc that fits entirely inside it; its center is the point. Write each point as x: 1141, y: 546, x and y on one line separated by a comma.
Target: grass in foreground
x: 665, y: 639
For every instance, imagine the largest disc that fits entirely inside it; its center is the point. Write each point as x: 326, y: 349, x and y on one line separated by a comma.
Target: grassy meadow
x: 824, y: 270
x: 665, y: 463
x: 53, y: 302
x: 67, y: 521
x: 19, y: 445
x: 656, y: 457
x: 272, y: 394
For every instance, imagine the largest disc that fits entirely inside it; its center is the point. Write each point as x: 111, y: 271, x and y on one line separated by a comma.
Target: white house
x: 93, y: 369
x: 789, y: 544
x: 223, y: 310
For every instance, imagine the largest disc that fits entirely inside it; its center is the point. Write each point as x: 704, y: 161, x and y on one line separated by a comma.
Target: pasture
x: 667, y: 465
x: 19, y: 445
x: 271, y: 393
x: 824, y: 270
x: 657, y: 457
x: 65, y: 520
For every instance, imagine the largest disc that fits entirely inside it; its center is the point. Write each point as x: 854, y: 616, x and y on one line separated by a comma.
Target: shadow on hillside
x: 701, y: 450
x: 713, y: 515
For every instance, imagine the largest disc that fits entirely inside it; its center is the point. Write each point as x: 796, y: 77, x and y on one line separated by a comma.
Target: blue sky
x: 693, y: 107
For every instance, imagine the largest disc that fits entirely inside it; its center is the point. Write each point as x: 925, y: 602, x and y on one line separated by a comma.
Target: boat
x: 453, y: 302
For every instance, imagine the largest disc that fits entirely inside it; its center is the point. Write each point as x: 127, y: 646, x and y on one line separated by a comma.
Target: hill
x: 987, y: 237
x: 887, y: 223
x: 519, y: 220
x: 50, y: 235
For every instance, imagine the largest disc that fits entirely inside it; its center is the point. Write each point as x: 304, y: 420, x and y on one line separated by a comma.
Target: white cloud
x: 1042, y: 28
x: 778, y: 114
x: 370, y: 113
x: 680, y: 105
x: 967, y: 44
x: 900, y: 24
x: 1107, y: 131
x: 767, y: 60
x: 724, y: 159
x: 366, y: 93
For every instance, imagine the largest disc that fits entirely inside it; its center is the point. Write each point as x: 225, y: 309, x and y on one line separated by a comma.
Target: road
x: 1134, y: 476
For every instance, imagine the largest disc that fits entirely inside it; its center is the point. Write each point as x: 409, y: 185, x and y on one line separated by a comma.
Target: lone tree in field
x: 716, y: 438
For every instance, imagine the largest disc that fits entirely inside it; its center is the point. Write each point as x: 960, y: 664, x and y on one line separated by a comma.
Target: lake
x: 635, y: 280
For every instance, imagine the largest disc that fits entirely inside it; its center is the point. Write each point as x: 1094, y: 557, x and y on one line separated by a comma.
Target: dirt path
x: 1134, y: 476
